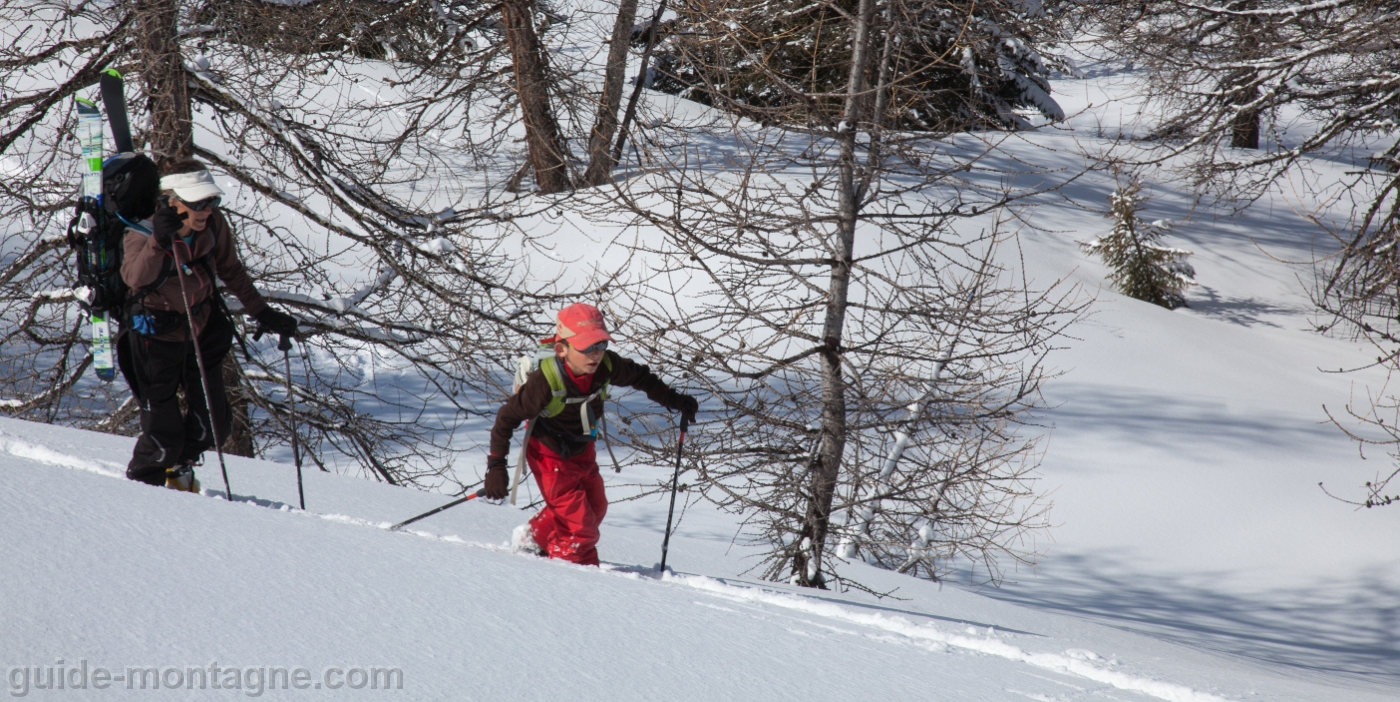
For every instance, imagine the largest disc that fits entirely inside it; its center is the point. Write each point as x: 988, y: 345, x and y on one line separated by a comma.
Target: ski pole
x: 676, y: 478
x: 203, y: 375
x: 520, y: 462
x: 285, y: 346
x: 431, y: 512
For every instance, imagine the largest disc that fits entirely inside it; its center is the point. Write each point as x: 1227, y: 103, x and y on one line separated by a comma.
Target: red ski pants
x: 574, y: 503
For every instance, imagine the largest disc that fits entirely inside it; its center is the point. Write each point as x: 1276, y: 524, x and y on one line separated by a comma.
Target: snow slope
x: 1194, y: 556
x: 1187, y: 446
x: 99, y: 572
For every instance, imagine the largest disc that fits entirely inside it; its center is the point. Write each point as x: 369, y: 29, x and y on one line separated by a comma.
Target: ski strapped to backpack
x: 548, y: 363
x: 98, y: 257
x: 116, y: 191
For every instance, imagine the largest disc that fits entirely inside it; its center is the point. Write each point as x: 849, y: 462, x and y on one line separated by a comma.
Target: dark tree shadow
x: 1246, y: 312
x: 1346, y: 628
x: 1161, y: 420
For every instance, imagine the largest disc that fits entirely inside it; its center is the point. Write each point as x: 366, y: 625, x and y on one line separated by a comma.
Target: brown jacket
x: 142, y: 259
x: 530, y: 400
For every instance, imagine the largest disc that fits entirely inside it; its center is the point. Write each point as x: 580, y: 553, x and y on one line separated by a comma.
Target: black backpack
x: 130, y: 189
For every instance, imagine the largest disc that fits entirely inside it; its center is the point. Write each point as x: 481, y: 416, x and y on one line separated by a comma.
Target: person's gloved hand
x: 497, y: 481
x: 277, y: 321
x: 687, y: 405
x: 165, y: 226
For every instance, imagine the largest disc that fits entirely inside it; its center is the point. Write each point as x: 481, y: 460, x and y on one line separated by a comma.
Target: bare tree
x: 1328, y: 69
x: 831, y: 309
x: 605, y: 125
x: 360, y: 222
x: 547, y: 155
x: 1216, y: 69
x: 157, y: 37
x: 540, y: 86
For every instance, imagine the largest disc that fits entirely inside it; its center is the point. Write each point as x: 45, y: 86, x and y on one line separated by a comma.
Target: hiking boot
x: 522, y: 540
x: 182, y: 478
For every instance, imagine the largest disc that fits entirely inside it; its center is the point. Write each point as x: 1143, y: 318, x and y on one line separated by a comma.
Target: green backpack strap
x: 553, y: 370
x: 607, y: 363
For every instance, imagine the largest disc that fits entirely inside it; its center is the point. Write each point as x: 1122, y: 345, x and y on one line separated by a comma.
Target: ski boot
x: 181, y: 478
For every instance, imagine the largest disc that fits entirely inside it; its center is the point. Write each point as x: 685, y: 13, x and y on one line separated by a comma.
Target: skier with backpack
x: 563, y: 402
x: 176, y: 328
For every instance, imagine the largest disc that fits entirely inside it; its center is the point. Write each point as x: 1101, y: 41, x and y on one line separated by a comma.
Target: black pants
x: 156, y: 370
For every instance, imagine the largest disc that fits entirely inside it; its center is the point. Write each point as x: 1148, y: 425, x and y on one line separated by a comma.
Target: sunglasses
x: 204, y: 204
x: 600, y: 346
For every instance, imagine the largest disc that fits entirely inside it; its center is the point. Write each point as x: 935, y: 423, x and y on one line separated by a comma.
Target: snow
x: 12, y: 167
x: 107, y: 573
x: 101, y: 572
x: 1193, y: 555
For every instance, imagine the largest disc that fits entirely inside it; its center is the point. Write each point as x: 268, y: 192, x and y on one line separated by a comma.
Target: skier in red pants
x: 564, y: 401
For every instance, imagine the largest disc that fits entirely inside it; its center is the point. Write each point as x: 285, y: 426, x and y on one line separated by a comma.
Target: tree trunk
x: 1244, y: 128
x: 532, y: 86
x: 171, y: 136
x: 807, y: 563
x: 600, y: 160
x: 653, y: 31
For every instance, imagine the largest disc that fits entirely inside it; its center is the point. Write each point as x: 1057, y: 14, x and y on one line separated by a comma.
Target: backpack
x: 130, y: 187
x: 130, y: 191
x: 544, y: 360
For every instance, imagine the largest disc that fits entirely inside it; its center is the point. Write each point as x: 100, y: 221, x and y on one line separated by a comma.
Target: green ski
x: 89, y: 224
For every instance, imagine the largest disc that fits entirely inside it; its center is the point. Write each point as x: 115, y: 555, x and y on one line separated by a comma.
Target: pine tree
x: 1141, y: 267
x: 955, y: 65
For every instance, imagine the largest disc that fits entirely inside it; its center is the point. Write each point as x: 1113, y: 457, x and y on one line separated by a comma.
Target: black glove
x: 165, y: 226
x: 277, y: 321
x: 497, y: 482
x: 687, y: 405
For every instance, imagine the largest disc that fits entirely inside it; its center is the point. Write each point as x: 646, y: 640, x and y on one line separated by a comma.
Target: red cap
x: 582, y: 325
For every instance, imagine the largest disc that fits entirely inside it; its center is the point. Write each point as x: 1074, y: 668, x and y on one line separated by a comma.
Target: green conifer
x: 1140, y: 267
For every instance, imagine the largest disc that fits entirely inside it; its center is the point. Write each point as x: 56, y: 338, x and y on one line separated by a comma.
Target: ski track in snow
x: 48, y: 456
x: 1074, y: 662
